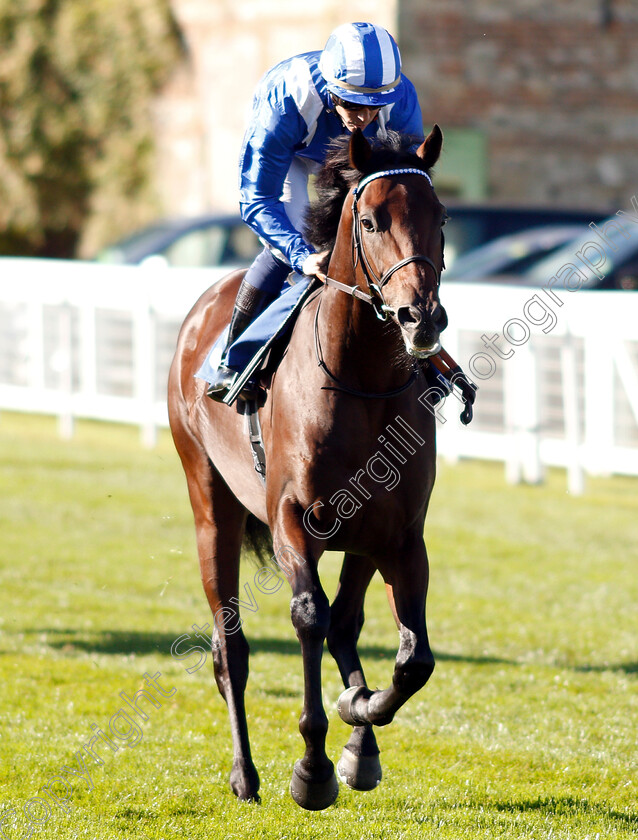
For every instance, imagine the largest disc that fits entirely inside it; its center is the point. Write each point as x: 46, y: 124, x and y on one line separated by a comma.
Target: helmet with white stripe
x: 361, y: 63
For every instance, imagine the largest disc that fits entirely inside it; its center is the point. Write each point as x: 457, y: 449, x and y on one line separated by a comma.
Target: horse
x: 348, y: 381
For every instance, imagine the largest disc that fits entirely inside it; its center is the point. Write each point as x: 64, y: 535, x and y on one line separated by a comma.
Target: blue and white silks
x: 291, y: 124
x: 292, y: 117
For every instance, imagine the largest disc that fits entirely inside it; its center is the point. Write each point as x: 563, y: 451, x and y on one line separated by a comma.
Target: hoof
x: 345, y: 703
x: 359, y: 772
x: 313, y: 796
x: 244, y: 782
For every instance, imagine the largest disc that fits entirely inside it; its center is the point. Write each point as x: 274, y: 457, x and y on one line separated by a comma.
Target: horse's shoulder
x: 210, y: 314
x: 215, y: 300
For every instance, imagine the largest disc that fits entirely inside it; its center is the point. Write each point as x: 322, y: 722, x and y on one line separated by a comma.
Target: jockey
x: 299, y: 106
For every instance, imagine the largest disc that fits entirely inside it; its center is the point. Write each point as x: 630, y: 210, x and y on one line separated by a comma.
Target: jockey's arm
x: 267, y: 153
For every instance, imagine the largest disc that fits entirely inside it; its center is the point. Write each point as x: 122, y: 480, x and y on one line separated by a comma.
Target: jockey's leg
x: 266, y: 276
x: 262, y: 283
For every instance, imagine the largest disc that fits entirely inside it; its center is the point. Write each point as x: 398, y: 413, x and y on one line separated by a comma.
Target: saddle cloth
x: 252, y: 346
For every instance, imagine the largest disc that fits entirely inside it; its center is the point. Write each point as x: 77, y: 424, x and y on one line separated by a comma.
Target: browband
x: 385, y: 173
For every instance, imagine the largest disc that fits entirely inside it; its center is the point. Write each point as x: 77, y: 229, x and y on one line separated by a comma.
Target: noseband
x: 376, y: 283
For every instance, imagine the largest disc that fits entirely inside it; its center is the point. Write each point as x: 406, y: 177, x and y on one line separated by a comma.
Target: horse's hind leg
x: 359, y: 766
x: 219, y: 525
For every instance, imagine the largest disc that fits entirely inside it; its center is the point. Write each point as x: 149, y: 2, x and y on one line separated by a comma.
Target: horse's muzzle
x: 421, y: 329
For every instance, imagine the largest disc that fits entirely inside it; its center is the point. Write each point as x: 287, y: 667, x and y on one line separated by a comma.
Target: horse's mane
x: 337, y: 177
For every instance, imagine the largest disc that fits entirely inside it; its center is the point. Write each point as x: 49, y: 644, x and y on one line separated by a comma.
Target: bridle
x: 374, y: 282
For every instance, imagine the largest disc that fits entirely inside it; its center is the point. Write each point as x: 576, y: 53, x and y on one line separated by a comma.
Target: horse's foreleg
x: 359, y: 766
x: 406, y: 578
x: 219, y: 523
x: 314, y: 785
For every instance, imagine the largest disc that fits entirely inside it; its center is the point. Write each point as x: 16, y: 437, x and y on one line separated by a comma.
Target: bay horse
x: 347, y: 381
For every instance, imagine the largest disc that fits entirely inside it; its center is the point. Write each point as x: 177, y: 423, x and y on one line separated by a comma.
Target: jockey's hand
x: 312, y: 265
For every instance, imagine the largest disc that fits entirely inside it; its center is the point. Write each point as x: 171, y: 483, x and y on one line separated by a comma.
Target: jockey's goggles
x: 351, y: 106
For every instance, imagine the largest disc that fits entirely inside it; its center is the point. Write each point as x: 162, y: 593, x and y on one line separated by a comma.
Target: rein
x: 339, y: 386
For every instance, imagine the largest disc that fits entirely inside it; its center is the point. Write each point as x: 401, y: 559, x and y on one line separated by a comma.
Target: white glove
x: 312, y: 264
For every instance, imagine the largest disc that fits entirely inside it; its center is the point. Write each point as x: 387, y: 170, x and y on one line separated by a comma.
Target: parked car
x: 604, y: 257
x: 224, y: 240
x: 210, y: 240
x: 472, y: 225
x: 510, y: 254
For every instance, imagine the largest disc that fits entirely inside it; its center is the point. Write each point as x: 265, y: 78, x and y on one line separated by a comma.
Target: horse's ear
x: 430, y: 149
x: 360, y: 150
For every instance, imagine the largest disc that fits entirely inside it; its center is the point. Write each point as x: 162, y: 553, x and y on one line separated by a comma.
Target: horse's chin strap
x: 373, y: 299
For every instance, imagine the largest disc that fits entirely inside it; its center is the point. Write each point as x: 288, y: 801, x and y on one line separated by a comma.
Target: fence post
x: 144, y: 359
x: 522, y: 417
x: 571, y: 416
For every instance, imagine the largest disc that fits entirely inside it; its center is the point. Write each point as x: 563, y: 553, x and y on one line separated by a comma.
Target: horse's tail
x: 258, y: 540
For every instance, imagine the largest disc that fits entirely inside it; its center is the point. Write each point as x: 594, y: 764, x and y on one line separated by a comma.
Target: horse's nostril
x: 439, y: 316
x: 409, y: 316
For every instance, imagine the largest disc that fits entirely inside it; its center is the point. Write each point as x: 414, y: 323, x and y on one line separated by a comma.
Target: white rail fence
x: 94, y: 341
x: 567, y: 393
x: 557, y: 371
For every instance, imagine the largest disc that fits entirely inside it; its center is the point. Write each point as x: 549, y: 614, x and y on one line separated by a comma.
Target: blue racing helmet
x: 361, y: 63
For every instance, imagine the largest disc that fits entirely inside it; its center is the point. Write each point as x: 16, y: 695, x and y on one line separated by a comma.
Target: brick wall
x: 553, y: 86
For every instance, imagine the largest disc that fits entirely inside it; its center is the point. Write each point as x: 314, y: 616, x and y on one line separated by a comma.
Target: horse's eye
x: 445, y: 220
x: 366, y: 224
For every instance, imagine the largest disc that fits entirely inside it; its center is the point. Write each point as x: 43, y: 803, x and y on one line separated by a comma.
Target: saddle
x: 256, y: 354
x: 258, y: 350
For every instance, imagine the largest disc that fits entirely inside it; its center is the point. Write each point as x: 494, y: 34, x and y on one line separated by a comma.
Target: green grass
x: 527, y: 728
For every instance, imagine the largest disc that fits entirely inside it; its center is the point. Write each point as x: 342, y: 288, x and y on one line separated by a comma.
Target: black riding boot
x: 249, y: 303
